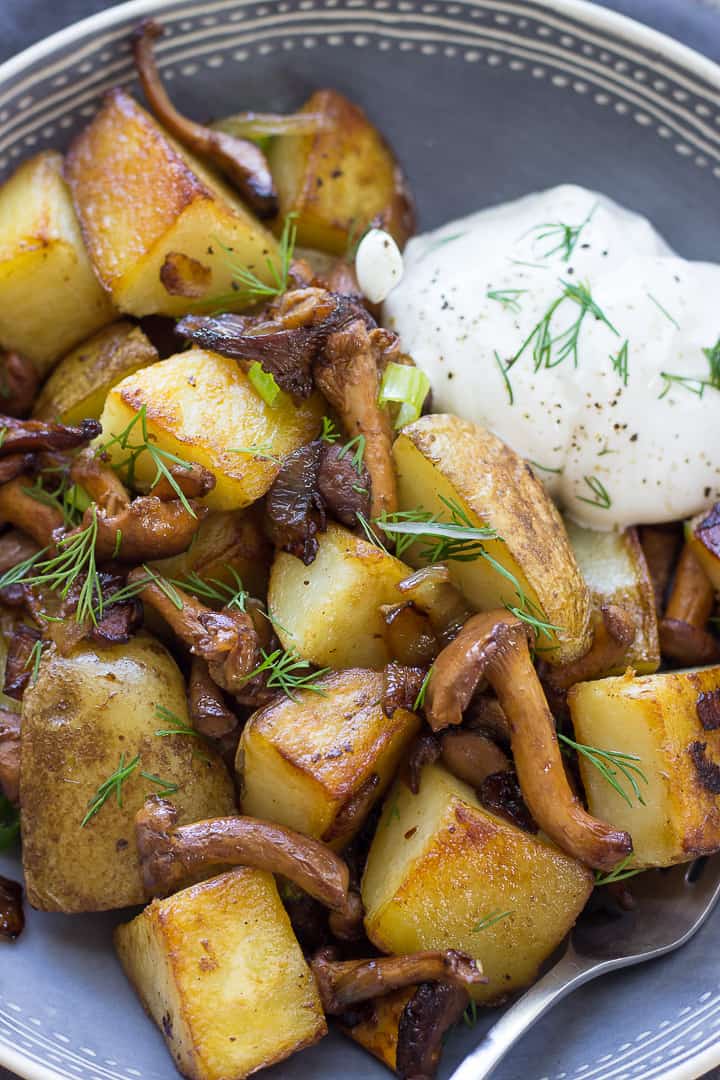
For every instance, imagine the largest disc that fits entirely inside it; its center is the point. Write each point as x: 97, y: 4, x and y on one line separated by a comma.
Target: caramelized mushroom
x: 343, y: 983
x: 18, y: 666
x: 14, y: 465
x: 208, y: 712
x: 344, y: 487
x: 195, y: 482
x: 402, y: 686
x: 500, y: 794
x: 10, y: 754
x: 35, y: 435
x: 170, y: 855
x: 409, y: 635
x: 36, y: 519
x: 12, y: 919
x: 241, y: 160
x: 432, y: 592
x: 20, y: 380
x: 683, y: 633
x: 471, y: 756
x: 15, y: 548
x: 425, y: 750
x: 226, y: 639
x: 495, y: 646
x: 295, y: 511
x: 660, y: 544
x: 424, y: 1022
x: 614, y: 634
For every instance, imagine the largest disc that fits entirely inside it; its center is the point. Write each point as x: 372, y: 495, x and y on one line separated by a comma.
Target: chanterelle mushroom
x: 226, y: 639
x: 20, y: 383
x: 343, y: 983
x: 429, y: 1014
x: 613, y: 634
x: 241, y: 160
x: 170, y: 855
x: 495, y: 646
x: 37, y: 519
x: 36, y: 435
x: 683, y: 631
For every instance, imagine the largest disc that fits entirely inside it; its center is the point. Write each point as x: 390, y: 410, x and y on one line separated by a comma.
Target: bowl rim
x: 593, y: 14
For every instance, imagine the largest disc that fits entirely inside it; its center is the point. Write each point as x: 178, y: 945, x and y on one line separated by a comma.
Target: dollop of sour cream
x: 566, y: 325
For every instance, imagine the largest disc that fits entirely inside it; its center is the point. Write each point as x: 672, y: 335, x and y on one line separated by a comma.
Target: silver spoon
x: 671, y: 906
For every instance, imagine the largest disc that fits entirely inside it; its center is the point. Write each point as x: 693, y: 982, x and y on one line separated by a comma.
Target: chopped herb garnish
x: 441, y: 242
x: 600, y: 493
x: 490, y: 920
x: 507, y: 297
x: 177, y: 726
x: 146, y: 445
x: 470, y: 1016
x: 620, y: 362
x: 74, y: 563
x: 247, y: 287
x: 71, y: 500
x: 33, y: 660
x: 213, y: 589
x: 263, y: 382
x: 18, y: 573
x: 370, y: 533
x: 288, y: 672
x: 544, y: 468
x: 112, y: 784
x: 3, y: 435
x: 168, y: 787
x: 549, y: 349
x: 620, y: 872
x: 419, y: 702
x: 697, y: 385
x: 508, y: 384
x: 329, y: 433
x: 457, y: 539
x: 665, y: 312
x: 612, y: 764
x: 562, y: 238
x: 263, y: 451
x: 356, y: 447
x: 118, y: 543
x: 407, y: 385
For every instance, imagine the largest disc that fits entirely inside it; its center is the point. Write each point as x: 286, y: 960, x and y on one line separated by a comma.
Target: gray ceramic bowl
x: 483, y: 101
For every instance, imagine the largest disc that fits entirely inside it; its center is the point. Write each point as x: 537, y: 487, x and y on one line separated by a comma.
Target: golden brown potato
x: 442, y: 457
x: 49, y: 296
x: 671, y: 723
x: 614, y: 568
x: 155, y: 220
x: 219, y: 969
x: 329, y: 612
x: 202, y: 407
x: 82, y: 380
x: 378, y: 1032
x: 442, y: 871
x: 318, y: 764
x: 340, y: 179
x: 87, y: 713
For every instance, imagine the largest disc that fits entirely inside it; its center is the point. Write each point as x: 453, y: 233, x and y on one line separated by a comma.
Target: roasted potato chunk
x: 78, y: 386
x: 219, y: 969
x: 671, y: 723
x: 319, y: 763
x: 49, y: 296
x: 156, y: 221
x: 89, y: 713
x: 441, y: 457
x: 440, y: 866
x: 340, y: 179
x: 614, y: 568
x: 378, y: 1032
x: 201, y: 407
x: 329, y: 612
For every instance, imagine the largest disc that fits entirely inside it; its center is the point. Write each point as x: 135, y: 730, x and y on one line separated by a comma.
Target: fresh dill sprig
x: 168, y: 786
x: 664, y: 311
x: 3, y: 434
x: 370, y: 533
x: 470, y: 1016
x: 9, y: 823
x: 75, y: 561
x: 618, y: 873
x: 213, y: 589
x: 508, y: 298
x: 68, y: 498
x: 458, y: 539
x: 531, y: 614
x: 33, y: 660
x: 620, y: 362
x: 355, y: 446
x: 158, y: 456
x: 113, y: 783
x: 490, y: 920
x: 247, y: 287
x: 697, y: 385
x: 503, y: 372
x: 419, y: 702
x: 601, y: 498
x: 441, y: 242
x: 612, y: 764
x: 549, y: 349
x: 564, y: 238
x: 288, y: 672
x: 133, y: 589
x: 177, y: 726
x: 329, y: 433
x: 544, y: 468
x: 262, y: 451
x: 18, y: 573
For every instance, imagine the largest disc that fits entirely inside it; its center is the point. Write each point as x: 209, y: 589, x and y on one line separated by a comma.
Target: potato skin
x: 201, y: 406
x: 440, y: 454
x: 220, y: 971
x: 439, y: 864
x: 657, y: 718
x: 329, y: 612
x: 82, y: 380
x: 340, y: 179
x: 49, y: 296
x: 86, y: 710
x: 302, y: 762
x: 150, y: 211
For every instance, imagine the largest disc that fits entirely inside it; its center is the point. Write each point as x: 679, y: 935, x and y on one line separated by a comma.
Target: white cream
x: 592, y: 439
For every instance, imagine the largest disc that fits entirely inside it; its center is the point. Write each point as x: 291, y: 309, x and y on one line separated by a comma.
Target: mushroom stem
x: 35, y: 435
x: 614, y: 634
x: 471, y: 756
x: 21, y: 380
x: 14, y: 465
x: 347, y: 982
x: 683, y: 634
x: 660, y: 544
x: 433, y: 1009
x: 495, y: 645
x: 241, y: 160
x: 208, y: 711
x: 30, y: 516
x: 170, y: 855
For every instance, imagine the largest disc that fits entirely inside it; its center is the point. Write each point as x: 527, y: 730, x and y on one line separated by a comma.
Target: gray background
x: 695, y: 22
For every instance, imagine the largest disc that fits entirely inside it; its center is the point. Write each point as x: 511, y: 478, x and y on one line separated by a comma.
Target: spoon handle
x: 569, y: 973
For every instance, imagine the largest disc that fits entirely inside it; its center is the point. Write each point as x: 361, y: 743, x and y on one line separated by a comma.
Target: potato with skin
x: 49, y: 296
x: 201, y: 407
x: 86, y: 713
x: 340, y: 179
x: 155, y: 220
x: 671, y: 723
x: 219, y: 970
x: 440, y: 865
x: 78, y: 386
x: 616, y: 572
x: 319, y: 763
x: 442, y: 457
x: 329, y: 612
